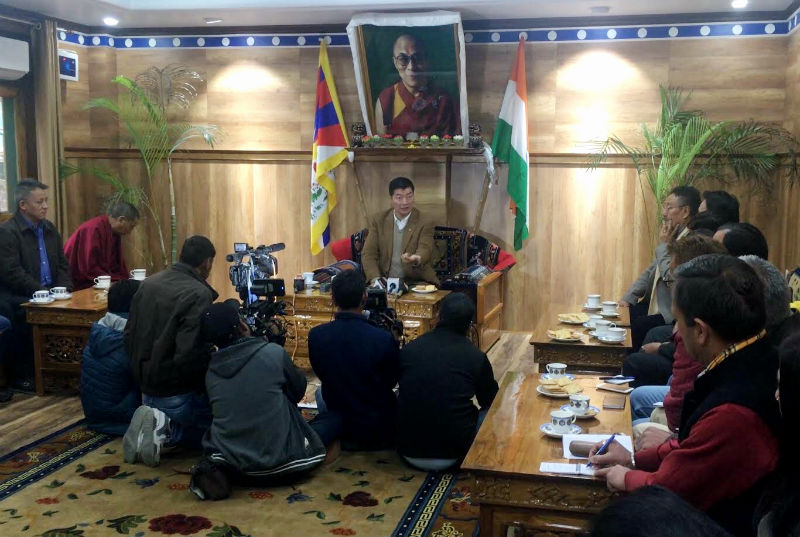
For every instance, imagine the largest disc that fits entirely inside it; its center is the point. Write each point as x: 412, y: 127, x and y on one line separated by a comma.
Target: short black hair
x: 220, y: 323
x: 689, y: 196
x: 123, y: 208
x: 347, y: 289
x: 654, y: 511
x: 723, y: 291
x: 457, y: 312
x: 706, y: 222
x: 196, y: 250
x: 691, y: 246
x: 744, y: 238
x: 723, y: 204
x: 399, y: 183
x: 25, y: 187
x: 120, y: 295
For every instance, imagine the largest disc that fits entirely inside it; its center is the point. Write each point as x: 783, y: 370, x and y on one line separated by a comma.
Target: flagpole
x: 481, y: 203
x: 360, y: 192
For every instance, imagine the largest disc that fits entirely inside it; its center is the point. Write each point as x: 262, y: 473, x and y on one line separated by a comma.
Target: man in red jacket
x: 727, y: 441
x: 95, y: 249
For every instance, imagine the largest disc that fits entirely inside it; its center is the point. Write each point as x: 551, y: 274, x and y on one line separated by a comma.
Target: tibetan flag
x: 510, y: 144
x: 329, y: 150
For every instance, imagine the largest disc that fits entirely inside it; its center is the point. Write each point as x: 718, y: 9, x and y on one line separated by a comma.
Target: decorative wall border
x: 709, y: 30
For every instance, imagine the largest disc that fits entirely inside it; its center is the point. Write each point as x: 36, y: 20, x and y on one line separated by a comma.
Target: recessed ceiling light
x: 599, y: 10
x: 739, y: 4
x: 110, y: 21
x: 212, y: 20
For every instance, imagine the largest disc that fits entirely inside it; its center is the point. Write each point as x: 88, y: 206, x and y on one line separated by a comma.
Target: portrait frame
x: 372, y: 38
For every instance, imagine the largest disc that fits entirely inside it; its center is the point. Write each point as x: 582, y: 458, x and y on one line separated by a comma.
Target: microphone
x: 277, y: 247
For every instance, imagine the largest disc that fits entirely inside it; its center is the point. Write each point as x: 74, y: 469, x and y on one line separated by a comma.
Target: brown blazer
x: 417, y: 239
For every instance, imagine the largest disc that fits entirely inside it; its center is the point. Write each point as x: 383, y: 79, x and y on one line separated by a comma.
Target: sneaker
x: 145, y: 436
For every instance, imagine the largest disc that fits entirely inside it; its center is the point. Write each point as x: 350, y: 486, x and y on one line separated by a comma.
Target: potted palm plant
x: 686, y: 148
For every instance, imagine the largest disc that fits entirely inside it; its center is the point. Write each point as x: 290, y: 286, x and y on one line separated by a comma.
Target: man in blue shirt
x: 31, y: 258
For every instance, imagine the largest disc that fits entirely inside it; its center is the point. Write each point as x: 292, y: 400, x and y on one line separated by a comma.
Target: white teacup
x: 593, y: 318
x: 308, y: 277
x: 593, y: 301
x: 579, y: 404
x: 139, y: 274
x: 562, y: 421
x: 103, y: 282
x: 41, y: 295
x: 557, y: 369
x: 58, y: 291
x: 609, y: 306
x: 601, y: 327
x: 617, y: 334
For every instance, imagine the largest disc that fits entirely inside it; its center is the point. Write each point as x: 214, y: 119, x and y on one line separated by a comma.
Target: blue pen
x: 604, y: 447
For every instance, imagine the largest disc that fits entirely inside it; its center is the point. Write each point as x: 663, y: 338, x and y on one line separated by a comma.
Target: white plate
x: 62, y: 297
x: 584, y: 416
x: 422, y: 291
x: 547, y: 428
x: 540, y: 389
x: 569, y: 322
x: 609, y: 340
x: 566, y: 340
x: 605, y: 314
x: 551, y: 376
x: 592, y: 308
x: 48, y: 300
x: 95, y: 286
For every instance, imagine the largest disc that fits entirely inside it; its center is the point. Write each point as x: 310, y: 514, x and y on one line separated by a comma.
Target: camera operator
x: 357, y: 364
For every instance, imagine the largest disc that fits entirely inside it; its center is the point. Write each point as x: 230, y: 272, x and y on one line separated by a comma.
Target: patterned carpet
x: 74, y: 483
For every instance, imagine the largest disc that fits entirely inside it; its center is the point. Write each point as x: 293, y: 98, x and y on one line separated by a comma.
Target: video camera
x: 251, y: 276
x: 381, y: 315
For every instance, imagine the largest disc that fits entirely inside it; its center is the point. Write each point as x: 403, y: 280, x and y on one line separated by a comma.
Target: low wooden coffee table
x: 60, y: 332
x: 505, y: 458
x: 586, y: 354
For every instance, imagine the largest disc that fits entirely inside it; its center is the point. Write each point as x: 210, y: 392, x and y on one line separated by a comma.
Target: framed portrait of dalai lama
x: 410, y: 72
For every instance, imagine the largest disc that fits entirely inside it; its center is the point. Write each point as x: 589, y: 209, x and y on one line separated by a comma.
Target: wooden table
x: 312, y: 308
x: 587, y: 354
x: 508, y: 449
x: 60, y: 332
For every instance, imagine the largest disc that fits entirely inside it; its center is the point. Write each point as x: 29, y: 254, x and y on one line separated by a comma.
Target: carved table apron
x: 60, y: 332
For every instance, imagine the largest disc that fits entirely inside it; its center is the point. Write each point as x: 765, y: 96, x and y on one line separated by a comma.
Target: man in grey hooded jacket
x: 257, y: 431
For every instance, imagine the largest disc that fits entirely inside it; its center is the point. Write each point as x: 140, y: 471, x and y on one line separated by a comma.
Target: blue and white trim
x: 472, y: 37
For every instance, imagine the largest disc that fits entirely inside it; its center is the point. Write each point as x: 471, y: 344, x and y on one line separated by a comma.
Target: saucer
x: 95, y: 286
x: 66, y: 296
x: 592, y: 308
x: 591, y: 413
x: 422, y: 291
x: 610, y: 340
x: 552, y: 376
x: 587, y: 325
x: 547, y: 428
x: 48, y: 300
x: 606, y: 314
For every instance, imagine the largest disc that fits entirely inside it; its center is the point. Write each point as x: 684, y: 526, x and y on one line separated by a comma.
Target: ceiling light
x: 599, y: 10
x: 110, y: 21
x: 739, y: 4
x: 212, y: 20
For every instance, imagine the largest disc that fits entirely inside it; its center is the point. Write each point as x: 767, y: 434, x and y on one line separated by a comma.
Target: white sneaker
x: 145, y: 436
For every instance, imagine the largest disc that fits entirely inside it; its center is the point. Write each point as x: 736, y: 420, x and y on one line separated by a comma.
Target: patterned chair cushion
x: 794, y: 284
x: 481, y: 251
x: 449, y: 251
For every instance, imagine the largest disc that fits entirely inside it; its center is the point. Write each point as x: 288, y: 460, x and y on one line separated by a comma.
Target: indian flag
x: 510, y: 144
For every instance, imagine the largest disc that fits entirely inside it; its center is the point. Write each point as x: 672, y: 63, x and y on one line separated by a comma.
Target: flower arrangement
x: 398, y: 140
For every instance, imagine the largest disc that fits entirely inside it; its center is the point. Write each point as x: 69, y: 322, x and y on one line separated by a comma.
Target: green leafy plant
x: 144, y: 113
x: 686, y: 148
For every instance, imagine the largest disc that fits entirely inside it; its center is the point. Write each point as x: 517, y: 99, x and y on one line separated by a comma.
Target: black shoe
x: 24, y: 386
x: 5, y: 395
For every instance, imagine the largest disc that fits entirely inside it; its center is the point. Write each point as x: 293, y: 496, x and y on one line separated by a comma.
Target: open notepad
x: 566, y: 468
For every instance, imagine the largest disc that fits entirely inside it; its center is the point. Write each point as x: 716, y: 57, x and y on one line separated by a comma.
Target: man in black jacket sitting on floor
x: 440, y: 373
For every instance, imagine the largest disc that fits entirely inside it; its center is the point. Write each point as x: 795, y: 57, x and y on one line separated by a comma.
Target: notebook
x: 565, y: 468
x: 618, y: 388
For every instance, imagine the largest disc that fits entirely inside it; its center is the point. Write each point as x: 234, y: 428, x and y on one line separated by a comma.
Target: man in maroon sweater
x: 95, y: 249
x: 727, y: 441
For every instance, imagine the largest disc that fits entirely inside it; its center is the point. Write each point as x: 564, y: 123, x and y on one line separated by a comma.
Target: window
x: 8, y: 152
x: 3, y: 175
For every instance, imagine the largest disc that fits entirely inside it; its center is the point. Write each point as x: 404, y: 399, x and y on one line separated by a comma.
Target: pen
x: 604, y: 447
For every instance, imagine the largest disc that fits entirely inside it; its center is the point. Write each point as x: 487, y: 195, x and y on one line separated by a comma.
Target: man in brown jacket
x: 400, y: 240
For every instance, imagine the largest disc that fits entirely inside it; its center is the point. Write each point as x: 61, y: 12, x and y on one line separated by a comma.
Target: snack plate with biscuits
x: 573, y: 318
x: 564, y: 334
x: 424, y: 289
x: 559, y: 387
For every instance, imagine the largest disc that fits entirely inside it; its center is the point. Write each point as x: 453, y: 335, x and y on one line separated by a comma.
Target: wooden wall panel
x: 590, y: 232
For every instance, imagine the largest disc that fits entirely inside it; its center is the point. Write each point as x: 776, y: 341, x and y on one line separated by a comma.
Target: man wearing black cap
x: 253, y: 386
x: 440, y: 373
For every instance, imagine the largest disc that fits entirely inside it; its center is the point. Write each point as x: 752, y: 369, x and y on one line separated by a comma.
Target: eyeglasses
x: 671, y: 207
x: 668, y: 281
x: 404, y: 59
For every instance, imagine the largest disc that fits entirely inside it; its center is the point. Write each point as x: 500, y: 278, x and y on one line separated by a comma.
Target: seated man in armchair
x: 400, y: 240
